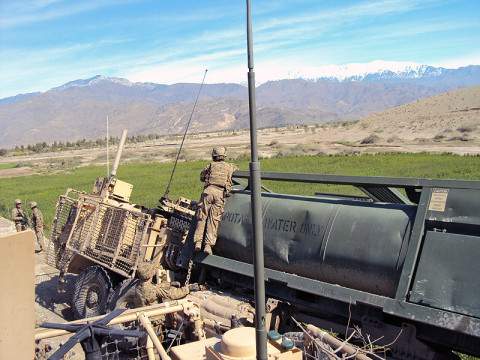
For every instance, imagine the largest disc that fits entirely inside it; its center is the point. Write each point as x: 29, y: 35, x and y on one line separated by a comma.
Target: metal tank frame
x: 446, y: 226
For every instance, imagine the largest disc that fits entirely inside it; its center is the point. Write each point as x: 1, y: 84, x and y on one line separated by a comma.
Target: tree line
x: 42, y: 147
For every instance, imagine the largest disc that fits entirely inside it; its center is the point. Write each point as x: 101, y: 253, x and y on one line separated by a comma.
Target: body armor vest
x: 220, y: 174
x: 18, y: 213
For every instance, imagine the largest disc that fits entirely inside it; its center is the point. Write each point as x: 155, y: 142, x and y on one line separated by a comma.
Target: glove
x: 195, y: 287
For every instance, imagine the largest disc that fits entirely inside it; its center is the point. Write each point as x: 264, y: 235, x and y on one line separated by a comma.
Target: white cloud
x: 23, y: 13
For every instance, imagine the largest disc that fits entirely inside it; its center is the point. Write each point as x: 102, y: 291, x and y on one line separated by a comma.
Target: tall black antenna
x: 184, y: 134
x: 256, y: 200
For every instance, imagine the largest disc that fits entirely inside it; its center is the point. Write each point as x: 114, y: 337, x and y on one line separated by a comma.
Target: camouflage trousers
x: 147, y: 293
x: 40, y: 238
x: 209, y: 213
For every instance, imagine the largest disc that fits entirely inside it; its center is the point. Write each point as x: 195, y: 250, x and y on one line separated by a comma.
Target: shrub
x: 186, y: 155
x: 245, y: 155
x: 370, y: 139
x: 464, y: 137
x: 394, y: 139
x: 294, y: 151
x: 467, y: 128
x: 172, y: 154
x: 22, y: 164
x: 345, y: 143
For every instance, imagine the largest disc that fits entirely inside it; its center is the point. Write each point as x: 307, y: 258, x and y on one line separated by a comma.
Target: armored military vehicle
x: 103, y: 237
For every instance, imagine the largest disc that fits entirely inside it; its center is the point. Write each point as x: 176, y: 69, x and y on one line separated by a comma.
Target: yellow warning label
x: 438, y: 200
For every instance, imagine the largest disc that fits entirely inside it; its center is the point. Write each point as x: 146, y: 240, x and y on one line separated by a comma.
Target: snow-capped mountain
x: 389, y: 72
x: 92, y: 81
x: 383, y: 72
x: 375, y: 71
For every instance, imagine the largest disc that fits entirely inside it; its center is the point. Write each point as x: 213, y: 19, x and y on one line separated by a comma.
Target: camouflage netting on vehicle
x: 57, y: 254
x: 179, y: 222
x: 109, y: 235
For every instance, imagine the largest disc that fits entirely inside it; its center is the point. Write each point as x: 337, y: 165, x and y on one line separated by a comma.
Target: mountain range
x: 79, y: 109
x: 395, y: 72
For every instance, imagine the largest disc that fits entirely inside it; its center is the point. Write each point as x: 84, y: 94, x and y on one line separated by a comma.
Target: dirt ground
x: 293, y: 140
x: 51, y: 306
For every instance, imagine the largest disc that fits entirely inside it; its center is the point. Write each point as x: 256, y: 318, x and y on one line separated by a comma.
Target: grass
x: 422, y: 165
x: 150, y: 180
x: 7, y: 166
x: 44, y: 190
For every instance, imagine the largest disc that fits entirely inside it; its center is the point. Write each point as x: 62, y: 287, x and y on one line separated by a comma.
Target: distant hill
x: 350, y: 100
x: 448, y: 115
x: 79, y: 109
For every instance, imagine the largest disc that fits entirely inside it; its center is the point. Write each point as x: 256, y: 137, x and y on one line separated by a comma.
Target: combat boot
x: 207, y: 249
x: 198, y: 246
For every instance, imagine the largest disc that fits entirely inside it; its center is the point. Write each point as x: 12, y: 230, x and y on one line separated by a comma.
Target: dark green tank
x: 355, y: 244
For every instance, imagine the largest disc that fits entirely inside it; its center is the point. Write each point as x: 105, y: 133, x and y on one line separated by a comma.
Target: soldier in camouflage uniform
x: 19, y: 216
x: 37, y: 222
x: 147, y: 293
x: 218, y: 181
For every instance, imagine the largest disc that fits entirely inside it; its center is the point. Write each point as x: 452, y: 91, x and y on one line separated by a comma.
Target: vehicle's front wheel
x: 92, y: 292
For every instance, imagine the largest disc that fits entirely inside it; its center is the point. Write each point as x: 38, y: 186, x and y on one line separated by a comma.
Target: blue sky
x: 46, y: 43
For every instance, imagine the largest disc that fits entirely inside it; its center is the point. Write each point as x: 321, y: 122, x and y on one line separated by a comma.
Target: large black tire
x: 92, y: 292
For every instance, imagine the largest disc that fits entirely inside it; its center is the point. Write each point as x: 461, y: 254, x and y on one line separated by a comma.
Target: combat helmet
x: 17, y: 201
x: 33, y: 204
x: 145, y: 270
x: 219, y: 153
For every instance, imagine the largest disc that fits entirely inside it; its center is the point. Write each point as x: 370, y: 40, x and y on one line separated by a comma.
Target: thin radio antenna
x: 108, y: 165
x: 184, y: 134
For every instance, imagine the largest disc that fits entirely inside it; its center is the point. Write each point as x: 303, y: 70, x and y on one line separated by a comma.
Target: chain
x: 189, y: 272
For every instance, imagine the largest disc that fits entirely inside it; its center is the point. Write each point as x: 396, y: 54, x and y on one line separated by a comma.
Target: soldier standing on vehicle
x: 19, y: 216
x: 218, y: 181
x: 37, y: 222
x: 148, y: 293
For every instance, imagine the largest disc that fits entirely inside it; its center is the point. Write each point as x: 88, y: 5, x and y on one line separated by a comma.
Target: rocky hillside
x: 455, y: 114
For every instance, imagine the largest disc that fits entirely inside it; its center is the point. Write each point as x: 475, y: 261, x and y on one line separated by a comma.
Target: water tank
x: 355, y: 244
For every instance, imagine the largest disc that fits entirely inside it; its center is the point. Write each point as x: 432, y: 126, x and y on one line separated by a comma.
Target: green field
x: 150, y: 179
x: 7, y: 166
